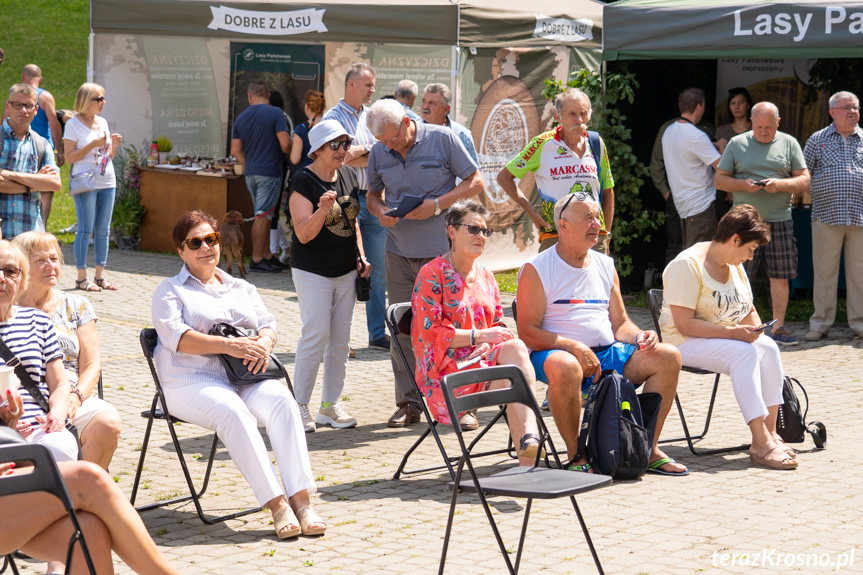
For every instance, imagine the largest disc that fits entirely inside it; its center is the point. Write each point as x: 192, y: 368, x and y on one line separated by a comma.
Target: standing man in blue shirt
x: 435, y: 107
x: 260, y: 140
x: 350, y: 112
x: 418, y: 159
x: 26, y: 164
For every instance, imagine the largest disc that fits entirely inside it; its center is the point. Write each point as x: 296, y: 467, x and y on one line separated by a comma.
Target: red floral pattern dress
x: 442, y: 302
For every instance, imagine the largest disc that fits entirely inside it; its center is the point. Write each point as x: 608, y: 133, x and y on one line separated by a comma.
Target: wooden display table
x: 168, y: 193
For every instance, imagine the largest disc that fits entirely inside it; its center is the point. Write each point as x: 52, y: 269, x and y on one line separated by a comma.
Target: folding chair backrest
x: 44, y: 477
x: 654, y: 302
x: 149, y: 339
x: 517, y: 392
x: 514, y: 311
x: 398, y: 320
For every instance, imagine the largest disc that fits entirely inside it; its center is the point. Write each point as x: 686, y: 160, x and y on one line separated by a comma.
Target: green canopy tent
x: 708, y: 29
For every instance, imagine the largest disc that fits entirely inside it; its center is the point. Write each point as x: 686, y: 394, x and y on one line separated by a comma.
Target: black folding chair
x: 528, y: 482
x: 45, y: 476
x: 654, y: 302
x: 398, y: 321
x: 148, y: 345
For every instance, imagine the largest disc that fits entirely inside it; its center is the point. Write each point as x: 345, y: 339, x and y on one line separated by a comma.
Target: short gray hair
x: 834, y: 99
x: 766, y: 107
x: 442, y: 89
x: 384, y: 113
x: 565, y: 202
x: 570, y: 94
x: 407, y: 89
x: 25, y: 89
x: 356, y: 69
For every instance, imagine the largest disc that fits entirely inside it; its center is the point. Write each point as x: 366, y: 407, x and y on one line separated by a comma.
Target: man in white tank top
x: 571, y: 314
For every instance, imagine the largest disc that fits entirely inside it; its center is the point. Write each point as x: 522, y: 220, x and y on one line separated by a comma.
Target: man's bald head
x: 31, y: 71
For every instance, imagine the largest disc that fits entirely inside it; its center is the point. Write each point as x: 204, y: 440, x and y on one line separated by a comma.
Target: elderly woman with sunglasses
x: 326, y: 256
x: 458, y: 323
x: 30, y: 336
x: 185, y: 308
x: 89, y: 145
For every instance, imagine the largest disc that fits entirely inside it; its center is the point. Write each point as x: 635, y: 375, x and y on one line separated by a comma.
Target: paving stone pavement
x: 655, y: 525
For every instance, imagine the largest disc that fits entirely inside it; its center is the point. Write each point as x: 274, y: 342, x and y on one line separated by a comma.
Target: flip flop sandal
x: 580, y: 468
x: 654, y: 467
x: 105, y: 284
x: 285, y: 518
x: 308, y: 517
x: 87, y: 285
x: 528, y: 446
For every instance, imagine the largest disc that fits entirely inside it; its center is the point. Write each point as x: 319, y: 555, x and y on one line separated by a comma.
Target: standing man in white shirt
x: 690, y: 158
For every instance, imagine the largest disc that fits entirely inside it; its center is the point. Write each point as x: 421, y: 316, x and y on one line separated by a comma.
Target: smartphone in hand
x: 764, y: 326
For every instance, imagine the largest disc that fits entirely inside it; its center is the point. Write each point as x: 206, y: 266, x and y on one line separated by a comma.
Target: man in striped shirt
x: 833, y: 156
x: 350, y: 112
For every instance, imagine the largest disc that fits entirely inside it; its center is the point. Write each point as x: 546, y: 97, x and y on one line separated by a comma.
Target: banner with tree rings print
x: 289, y: 69
x: 392, y: 63
x: 500, y: 99
x: 183, y: 93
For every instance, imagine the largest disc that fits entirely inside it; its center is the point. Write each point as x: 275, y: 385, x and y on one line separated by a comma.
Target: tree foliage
x: 632, y: 223
x: 834, y: 75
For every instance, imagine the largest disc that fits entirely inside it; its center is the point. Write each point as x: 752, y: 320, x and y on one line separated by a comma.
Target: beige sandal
x: 777, y: 439
x: 308, y: 517
x: 779, y: 461
x: 285, y: 517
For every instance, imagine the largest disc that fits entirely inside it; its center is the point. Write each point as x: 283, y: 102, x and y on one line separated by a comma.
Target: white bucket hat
x: 323, y: 132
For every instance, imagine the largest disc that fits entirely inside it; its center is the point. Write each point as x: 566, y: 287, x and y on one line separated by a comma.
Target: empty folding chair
x: 527, y: 482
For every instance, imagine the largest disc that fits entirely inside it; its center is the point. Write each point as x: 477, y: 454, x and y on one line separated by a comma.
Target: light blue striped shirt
x: 355, y: 123
x: 184, y: 303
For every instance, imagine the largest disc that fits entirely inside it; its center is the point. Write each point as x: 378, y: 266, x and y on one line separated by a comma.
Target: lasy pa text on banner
x: 269, y: 23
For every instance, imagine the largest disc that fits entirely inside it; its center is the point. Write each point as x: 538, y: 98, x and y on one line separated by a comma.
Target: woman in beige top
x: 708, y: 313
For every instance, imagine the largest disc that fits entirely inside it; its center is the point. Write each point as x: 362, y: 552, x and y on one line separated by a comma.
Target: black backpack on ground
x: 791, y: 420
x: 618, y: 426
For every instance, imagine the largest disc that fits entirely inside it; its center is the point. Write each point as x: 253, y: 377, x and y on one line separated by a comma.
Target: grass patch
x: 506, y: 281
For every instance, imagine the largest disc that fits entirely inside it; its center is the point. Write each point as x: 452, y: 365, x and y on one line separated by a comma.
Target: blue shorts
x: 612, y: 356
x: 265, y: 191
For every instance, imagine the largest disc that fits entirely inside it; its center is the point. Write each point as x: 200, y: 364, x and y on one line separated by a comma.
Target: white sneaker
x: 335, y: 416
x: 308, y: 422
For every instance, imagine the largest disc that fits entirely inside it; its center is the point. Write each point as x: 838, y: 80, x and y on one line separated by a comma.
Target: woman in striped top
x: 30, y: 335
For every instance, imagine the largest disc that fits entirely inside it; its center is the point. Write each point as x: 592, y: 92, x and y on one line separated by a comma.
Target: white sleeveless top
x: 576, y: 299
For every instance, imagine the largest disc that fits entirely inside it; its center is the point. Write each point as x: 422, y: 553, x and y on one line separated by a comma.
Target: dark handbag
x: 791, y: 419
x: 32, y: 388
x: 239, y: 374
x: 362, y: 285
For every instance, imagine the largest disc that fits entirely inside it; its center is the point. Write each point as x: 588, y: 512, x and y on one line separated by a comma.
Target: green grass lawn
x: 53, y: 35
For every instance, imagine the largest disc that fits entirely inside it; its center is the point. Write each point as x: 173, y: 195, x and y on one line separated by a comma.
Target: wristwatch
x: 436, y: 207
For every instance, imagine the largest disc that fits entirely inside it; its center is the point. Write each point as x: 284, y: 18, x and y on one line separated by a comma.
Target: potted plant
x: 128, y: 211
x: 165, y: 145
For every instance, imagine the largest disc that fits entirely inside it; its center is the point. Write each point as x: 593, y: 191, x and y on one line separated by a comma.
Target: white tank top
x: 576, y: 299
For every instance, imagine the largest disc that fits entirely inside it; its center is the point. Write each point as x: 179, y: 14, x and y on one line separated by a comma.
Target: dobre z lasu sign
x: 797, y: 23
x: 267, y: 23
x: 563, y: 29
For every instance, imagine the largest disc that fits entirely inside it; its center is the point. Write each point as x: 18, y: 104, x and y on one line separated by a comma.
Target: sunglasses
x: 99, y: 99
x: 580, y: 196
x: 10, y: 273
x: 336, y: 144
x: 474, y: 230
x: 196, y: 243
x: 19, y: 105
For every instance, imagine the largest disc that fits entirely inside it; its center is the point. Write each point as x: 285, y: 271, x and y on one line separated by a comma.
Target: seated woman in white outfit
x: 185, y: 307
x: 709, y: 315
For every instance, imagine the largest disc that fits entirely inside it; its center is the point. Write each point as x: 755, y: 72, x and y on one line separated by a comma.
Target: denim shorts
x: 265, y: 192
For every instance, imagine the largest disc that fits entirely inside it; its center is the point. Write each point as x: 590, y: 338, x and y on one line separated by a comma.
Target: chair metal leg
x: 78, y: 537
x: 9, y: 562
x: 587, y: 535
x: 449, y: 521
x: 523, y: 532
x: 143, y: 450
x: 690, y: 438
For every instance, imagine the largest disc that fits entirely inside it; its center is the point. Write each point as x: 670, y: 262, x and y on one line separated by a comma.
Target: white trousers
x: 827, y: 247
x: 62, y: 444
x: 755, y: 369
x: 326, y: 310
x: 235, y: 414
